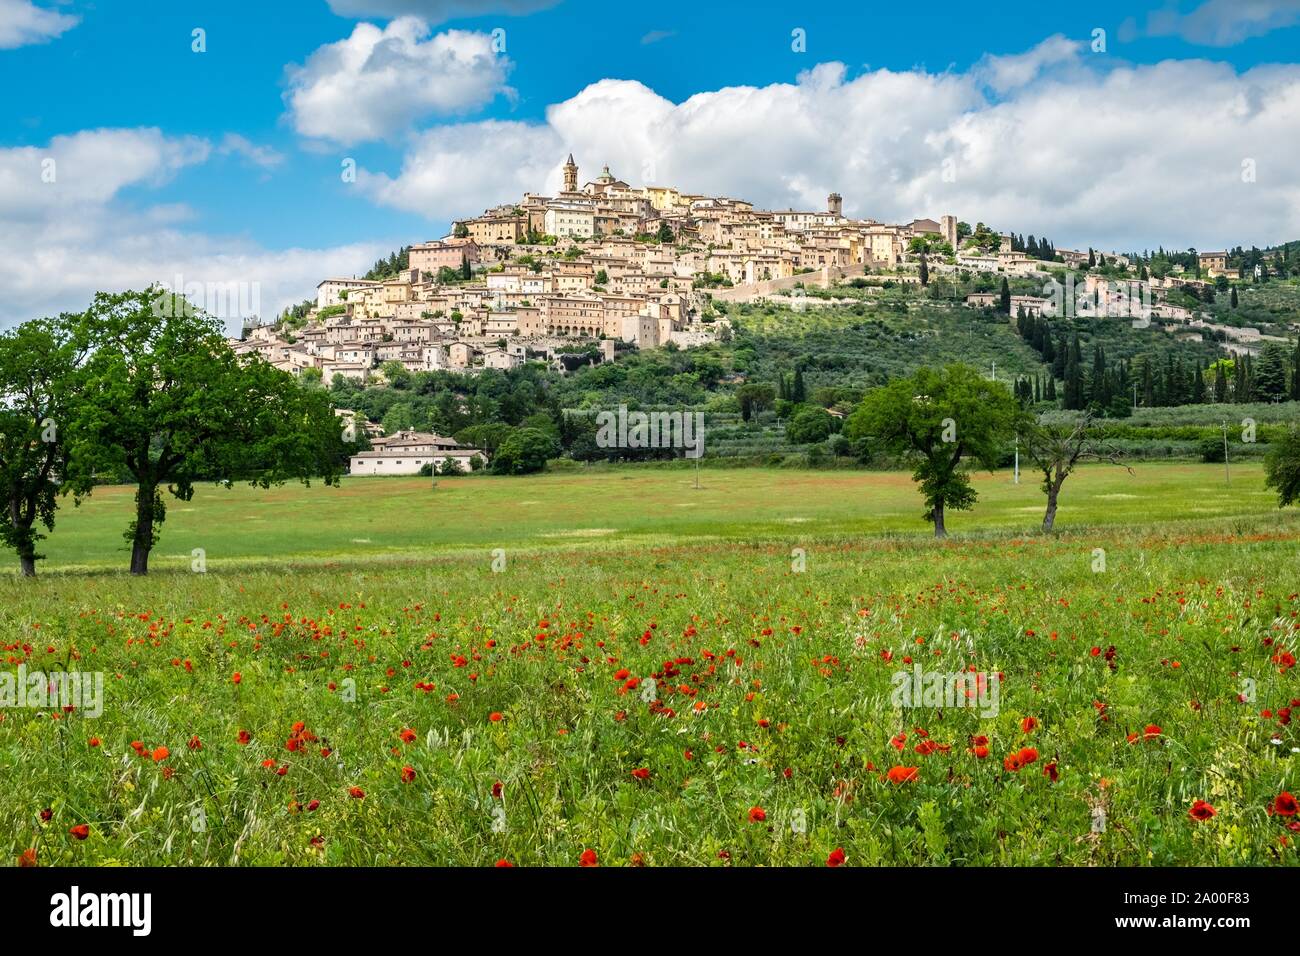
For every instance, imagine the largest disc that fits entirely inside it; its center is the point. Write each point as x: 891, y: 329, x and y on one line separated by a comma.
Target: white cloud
x: 1006, y: 73
x: 1121, y: 157
x: 377, y: 82
x: 436, y: 11
x: 1224, y: 22
x: 66, y: 239
x: 264, y: 157
x: 23, y: 23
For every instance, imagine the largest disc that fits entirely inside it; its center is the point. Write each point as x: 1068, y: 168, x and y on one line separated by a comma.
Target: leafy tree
x: 1282, y: 468
x: 936, y: 418
x: 526, y: 450
x: 37, y: 361
x: 1056, y: 450
x: 754, y: 398
x: 166, y: 401
x: 809, y: 424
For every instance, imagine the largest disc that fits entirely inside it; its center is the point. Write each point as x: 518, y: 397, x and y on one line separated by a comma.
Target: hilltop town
x: 608, y: 266
x: 591, y: 267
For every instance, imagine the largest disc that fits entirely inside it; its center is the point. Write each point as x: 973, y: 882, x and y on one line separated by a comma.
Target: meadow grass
x: 693, y: 643
x: 622, y: 506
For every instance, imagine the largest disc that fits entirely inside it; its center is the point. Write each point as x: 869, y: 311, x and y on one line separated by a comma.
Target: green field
x: 681, y: 676
x: 369, y: 518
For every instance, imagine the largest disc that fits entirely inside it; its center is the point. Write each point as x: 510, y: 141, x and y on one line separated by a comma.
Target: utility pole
x: 1017, y: 481
x: 995, y: 371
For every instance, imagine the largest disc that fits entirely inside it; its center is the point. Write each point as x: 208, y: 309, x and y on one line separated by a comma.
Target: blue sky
x: 256, y: 175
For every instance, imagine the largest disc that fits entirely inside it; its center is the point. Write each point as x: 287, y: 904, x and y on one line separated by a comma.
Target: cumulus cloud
x: 70, y: 231
x: 436, y: 11
x: 1224, y: 22
x: 377, y: 82
x: 1121, y: 157
x: 23, y: 23
x: 1005, y: 73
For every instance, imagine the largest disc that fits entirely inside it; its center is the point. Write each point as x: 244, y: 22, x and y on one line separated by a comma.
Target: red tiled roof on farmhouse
x: 413, y: 440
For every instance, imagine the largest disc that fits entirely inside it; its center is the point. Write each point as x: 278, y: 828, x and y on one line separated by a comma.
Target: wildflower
x: 757, y: 815
x: 899, y: 775
x: 80, y: 831
x: 588, y: 858
x: 1201, y: 811
x: 836, y: 858
x: 1284, y: 805
x: 408, y: 774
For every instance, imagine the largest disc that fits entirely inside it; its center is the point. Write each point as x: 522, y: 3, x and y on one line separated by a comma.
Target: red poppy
x: 407, y: 735
x: 503, y: 864
x: 757, y: 815
x: 1284, y: 805
x: 836, y: 858
x: 195, y: 743
x: 495, y: 716
x: 1012, y: 762
x: 80, y: 831
x: 980, y: 751
x: 237, y: 678
x: 641, y: 773
x: 160, y: 754
x: 1151, y: 732
x: 1027, y: 755
x: 588, y: 858
x: 313, y: 805
x: 27, y: 858
x: 94, y: 741
x: 408, y: 773
x: 496, y: 789
x: 1028, y: 724
x: 1049, y: 770
x: 356, y: 793
x: 244, y: 738
x: 1201, y: 811
x: 899, y: 775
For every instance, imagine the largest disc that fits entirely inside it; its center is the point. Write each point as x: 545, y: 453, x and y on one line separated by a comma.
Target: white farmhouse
x: 405, y: 453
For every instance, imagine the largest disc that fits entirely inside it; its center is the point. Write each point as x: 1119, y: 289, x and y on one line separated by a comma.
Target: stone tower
x: 835, y: 205
x: 948, y: 226
x: 570, y: 176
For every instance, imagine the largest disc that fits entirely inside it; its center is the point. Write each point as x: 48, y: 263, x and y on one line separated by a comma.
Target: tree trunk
x: 26, y: 551
x: 939, y: 530
x: 1053, y: 493
x: 142, y: 540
